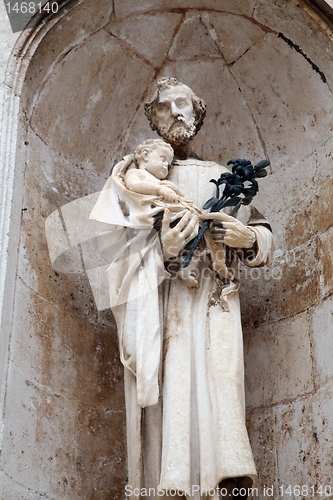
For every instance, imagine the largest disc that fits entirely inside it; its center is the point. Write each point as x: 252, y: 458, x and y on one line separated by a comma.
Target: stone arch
x: 63, y: 412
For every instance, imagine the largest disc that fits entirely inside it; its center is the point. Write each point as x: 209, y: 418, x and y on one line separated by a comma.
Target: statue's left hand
x: 175, y: 238
x: 230, y: 231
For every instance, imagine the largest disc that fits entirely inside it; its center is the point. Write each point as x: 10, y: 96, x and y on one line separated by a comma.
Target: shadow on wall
x: 82, y: 105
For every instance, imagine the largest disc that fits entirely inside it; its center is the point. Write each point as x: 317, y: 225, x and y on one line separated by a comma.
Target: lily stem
x: 215, y: 208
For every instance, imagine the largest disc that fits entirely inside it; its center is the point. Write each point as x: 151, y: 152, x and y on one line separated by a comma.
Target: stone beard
x: 179, y: 132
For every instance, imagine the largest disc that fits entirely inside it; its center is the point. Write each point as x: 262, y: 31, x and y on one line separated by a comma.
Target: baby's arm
x: 172, y: 186
x: 136, y: 181
x: 175, y: 188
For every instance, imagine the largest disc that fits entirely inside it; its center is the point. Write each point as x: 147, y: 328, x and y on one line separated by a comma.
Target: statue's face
x: 174, y: 115
x: 157, y: 162
x: 174, y: 102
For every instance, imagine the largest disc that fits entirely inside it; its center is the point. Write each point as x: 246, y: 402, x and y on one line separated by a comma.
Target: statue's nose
x: 175, y: 110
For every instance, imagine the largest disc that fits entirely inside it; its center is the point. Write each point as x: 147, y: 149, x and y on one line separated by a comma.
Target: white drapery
x: 181, y: 348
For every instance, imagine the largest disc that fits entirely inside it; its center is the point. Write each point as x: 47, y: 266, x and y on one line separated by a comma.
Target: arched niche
x: 264, y: 70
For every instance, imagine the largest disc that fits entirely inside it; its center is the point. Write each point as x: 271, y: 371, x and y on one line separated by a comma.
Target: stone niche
x: 264, y: 68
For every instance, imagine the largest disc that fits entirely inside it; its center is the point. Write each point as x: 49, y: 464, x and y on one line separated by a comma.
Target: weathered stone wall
x: 288, y: 311
x: 264, y: 69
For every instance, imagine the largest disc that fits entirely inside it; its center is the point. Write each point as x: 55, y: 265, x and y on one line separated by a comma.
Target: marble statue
x: 181, y: 345
x: 153, y: 159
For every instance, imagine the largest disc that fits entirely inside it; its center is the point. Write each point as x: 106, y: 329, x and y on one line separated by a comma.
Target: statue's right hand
x: 175, y: 238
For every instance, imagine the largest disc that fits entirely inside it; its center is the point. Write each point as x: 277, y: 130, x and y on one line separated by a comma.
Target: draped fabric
x: 132, y: 246
x: 181, y: 347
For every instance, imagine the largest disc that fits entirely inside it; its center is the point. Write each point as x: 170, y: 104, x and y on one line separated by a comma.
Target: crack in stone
x: 210, y: 28
x: 57, y: 306
x: 113, y: 11
x: 35, y: 492
x: 145, y: 95
x: 62, y: 155
x: 287, y: 401
x: 307, y: 58
x: 260, y: 136
x: 207, y: 23
x: 172, y: 40
x: 128, y: 47
x: 62, y: 394
x: 312, y: 357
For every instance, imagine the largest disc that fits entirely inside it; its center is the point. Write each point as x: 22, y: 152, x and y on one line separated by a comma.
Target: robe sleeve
x: 262, y: 251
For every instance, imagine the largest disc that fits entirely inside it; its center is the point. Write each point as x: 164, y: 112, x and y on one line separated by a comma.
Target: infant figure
x: 153, y: 159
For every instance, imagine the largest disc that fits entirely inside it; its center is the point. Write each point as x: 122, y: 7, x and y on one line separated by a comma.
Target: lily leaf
x: 260, y: 173
x: 262, y: 164
x: 209, y: 203
x: 232, y: 201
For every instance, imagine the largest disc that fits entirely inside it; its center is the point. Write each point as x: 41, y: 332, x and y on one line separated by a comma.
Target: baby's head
x: 154, y: 155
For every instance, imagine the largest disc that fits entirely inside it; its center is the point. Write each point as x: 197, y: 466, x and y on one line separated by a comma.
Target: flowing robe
x: 183, y: 355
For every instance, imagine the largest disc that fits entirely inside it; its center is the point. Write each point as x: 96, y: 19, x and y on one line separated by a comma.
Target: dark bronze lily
x: 240, y: 187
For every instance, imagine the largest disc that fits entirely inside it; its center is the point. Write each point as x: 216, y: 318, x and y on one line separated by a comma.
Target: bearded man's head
x: 175, y: 112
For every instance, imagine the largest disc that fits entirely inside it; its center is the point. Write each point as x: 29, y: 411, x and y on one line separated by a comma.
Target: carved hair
x: 165, y: 82
x: 149, y: 146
